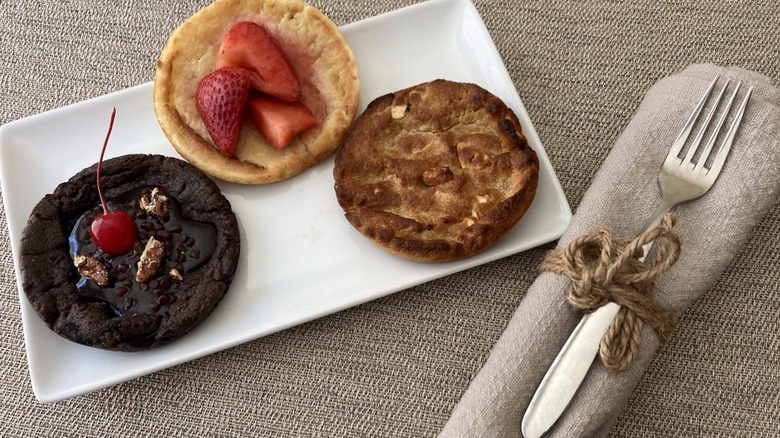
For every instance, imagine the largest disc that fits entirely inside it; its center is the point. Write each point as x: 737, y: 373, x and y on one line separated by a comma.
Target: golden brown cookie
x: 435, y: 172
x: 319, y: 57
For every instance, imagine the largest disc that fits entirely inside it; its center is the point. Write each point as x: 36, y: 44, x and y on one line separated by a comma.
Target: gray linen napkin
x: 624, y: 192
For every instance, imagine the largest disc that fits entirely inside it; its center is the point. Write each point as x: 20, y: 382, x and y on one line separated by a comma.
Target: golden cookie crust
x: 319, y: 56
x: 435, y: 172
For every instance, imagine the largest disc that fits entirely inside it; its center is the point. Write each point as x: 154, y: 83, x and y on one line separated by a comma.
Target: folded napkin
x: 623, y: 194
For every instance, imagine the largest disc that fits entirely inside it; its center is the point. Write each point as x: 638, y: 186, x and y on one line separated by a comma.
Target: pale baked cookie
x: 436, y: 172
x: 316, y: 51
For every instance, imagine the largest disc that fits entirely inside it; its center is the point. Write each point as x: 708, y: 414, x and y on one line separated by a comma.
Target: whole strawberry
x: 220, y: 100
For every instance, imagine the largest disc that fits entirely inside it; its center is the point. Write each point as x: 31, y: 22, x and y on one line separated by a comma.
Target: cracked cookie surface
x: 436, y: 172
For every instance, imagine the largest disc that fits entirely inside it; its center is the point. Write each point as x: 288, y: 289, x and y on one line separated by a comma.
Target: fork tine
x: 686, y: 131
x: 725, y: 147
x: 713, y: 137
x: 697, y: 141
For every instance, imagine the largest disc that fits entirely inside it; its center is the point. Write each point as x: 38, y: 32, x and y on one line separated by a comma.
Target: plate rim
x: 40, y: 389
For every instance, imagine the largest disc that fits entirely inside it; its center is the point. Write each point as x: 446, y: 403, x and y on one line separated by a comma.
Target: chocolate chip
x: 195, y: 254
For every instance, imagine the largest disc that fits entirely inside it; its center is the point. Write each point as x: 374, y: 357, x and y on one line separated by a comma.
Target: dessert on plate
x: 435, y: 172
x: 141, y: 274
x: 256, y: 91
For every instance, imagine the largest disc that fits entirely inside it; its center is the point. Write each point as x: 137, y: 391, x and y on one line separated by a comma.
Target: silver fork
x: 681, y: 179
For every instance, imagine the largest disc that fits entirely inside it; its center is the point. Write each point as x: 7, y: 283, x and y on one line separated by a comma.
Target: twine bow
x: 603, y: 267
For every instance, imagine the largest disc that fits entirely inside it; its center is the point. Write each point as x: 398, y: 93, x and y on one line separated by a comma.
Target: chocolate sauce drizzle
x: 189, y: 245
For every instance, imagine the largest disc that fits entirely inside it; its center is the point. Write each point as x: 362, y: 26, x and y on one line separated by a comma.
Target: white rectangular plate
x: 300, y: 259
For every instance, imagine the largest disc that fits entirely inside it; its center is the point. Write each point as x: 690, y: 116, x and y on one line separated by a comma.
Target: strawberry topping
x: 248, y: 59
x: 247, y: 45
x: 221, y: 99
x: 278, y: 121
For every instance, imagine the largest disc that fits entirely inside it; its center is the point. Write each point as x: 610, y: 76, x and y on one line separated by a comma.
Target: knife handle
x: 567, y: 372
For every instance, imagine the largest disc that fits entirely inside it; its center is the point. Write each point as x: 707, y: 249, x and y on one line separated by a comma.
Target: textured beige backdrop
x: 397, y: 366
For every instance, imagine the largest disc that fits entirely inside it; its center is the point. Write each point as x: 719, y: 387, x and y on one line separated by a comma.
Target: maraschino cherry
x: 113, y: 231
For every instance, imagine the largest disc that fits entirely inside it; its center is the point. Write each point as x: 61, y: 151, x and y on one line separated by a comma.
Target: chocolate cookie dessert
x: 178, y: 269
x: 435, y: 172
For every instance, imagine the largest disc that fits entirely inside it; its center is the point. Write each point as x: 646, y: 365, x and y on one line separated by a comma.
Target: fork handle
x: 569, y: 368
x: 654, y: 220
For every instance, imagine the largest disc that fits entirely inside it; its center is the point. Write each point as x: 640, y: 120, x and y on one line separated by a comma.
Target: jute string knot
x: 603, y: 267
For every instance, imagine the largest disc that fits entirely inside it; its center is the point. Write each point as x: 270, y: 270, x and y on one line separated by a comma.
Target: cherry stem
x: 100, y: 163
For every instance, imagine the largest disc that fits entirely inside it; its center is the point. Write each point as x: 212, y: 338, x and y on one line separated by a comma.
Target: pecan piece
x: 156, y: 204
x: 153, y: 254
x: 92, y: 269
x: 437, y: 175
x: 176, y: 275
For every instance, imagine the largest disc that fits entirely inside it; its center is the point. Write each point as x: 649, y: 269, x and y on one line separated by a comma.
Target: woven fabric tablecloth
x: 397, y: 366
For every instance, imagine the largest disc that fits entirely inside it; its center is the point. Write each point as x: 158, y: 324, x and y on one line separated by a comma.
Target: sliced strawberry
x: 221, y: 99
x: 278, y: 121
x: 248, y: 45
